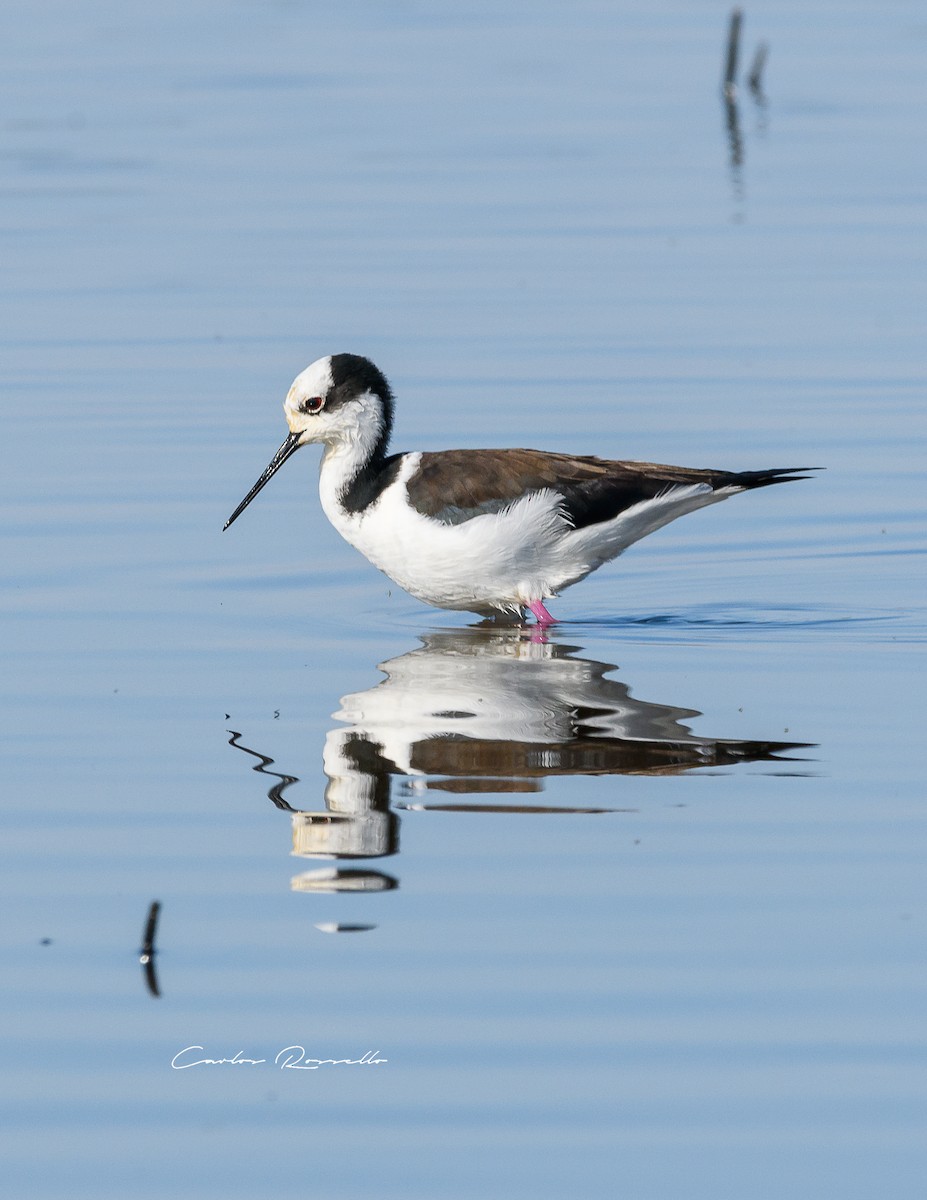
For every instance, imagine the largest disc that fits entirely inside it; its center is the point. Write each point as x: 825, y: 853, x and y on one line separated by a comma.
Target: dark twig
x: 733, y: 44
x: 755, y: 78
x: 733, y: 132
x: 147, y: 952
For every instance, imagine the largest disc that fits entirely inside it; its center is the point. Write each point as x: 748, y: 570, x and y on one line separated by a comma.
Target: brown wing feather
x: 454, y: 485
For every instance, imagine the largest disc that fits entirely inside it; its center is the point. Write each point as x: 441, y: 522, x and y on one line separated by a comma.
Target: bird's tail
x: 758, y: 479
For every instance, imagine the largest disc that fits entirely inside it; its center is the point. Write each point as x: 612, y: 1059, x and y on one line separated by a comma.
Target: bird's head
x: 343, y: 401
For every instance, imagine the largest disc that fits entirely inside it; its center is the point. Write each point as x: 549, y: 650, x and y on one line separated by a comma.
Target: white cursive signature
x: 237, y: 1061
x: 292, y: 1058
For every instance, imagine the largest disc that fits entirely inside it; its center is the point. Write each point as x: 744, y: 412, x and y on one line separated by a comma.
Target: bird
x: 493, y: 532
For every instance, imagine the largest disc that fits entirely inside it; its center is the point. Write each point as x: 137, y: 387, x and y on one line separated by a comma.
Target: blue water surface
x: 637, y: 909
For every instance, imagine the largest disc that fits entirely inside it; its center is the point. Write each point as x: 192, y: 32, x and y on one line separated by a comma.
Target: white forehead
x: 316, y: 380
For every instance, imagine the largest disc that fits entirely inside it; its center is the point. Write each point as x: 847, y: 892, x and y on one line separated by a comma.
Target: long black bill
x: 290, y: 446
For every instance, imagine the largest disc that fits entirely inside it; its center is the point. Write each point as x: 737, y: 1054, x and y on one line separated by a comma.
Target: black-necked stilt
x: 486, y: 531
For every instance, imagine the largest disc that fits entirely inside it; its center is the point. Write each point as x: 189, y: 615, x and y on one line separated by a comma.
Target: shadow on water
x: 704, y: 620
x: 481, y: 712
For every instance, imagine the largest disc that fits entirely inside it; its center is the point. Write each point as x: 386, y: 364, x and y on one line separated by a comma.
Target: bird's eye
x: 312, y: 405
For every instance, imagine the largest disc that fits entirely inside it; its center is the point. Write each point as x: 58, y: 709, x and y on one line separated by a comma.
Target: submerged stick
x: 147, y: 953
x: 733, y: 45
x: 755, y: 78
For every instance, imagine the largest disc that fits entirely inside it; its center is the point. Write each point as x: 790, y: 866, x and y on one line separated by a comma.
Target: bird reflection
x: 477, y: 711
x: 482, y: 712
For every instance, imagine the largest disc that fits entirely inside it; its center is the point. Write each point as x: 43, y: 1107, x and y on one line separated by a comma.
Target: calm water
x: 637, y: 910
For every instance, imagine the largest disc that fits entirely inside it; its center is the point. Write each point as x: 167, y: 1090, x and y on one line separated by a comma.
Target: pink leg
x: 541, y: 615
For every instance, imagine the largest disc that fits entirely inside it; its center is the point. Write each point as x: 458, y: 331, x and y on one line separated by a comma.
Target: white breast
x: 498, y: 560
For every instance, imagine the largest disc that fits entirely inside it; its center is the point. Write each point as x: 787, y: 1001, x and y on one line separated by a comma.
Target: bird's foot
x: 541, y: 615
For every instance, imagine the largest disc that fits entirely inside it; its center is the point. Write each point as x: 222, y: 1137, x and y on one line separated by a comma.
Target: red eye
x: 312, y: 405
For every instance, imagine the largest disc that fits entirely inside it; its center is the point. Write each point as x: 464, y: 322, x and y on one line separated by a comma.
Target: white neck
x: 350, y: 449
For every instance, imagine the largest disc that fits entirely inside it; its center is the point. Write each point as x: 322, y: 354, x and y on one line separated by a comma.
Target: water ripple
x: 891, y: 624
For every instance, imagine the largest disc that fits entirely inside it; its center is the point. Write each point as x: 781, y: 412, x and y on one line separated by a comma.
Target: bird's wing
x: 453, y: 486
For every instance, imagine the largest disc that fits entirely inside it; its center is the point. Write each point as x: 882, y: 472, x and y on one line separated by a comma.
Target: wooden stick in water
x: 755, y: 79
x: 733, y: 44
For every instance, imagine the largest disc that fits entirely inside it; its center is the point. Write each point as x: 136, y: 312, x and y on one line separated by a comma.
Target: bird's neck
x: 355, y: 466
